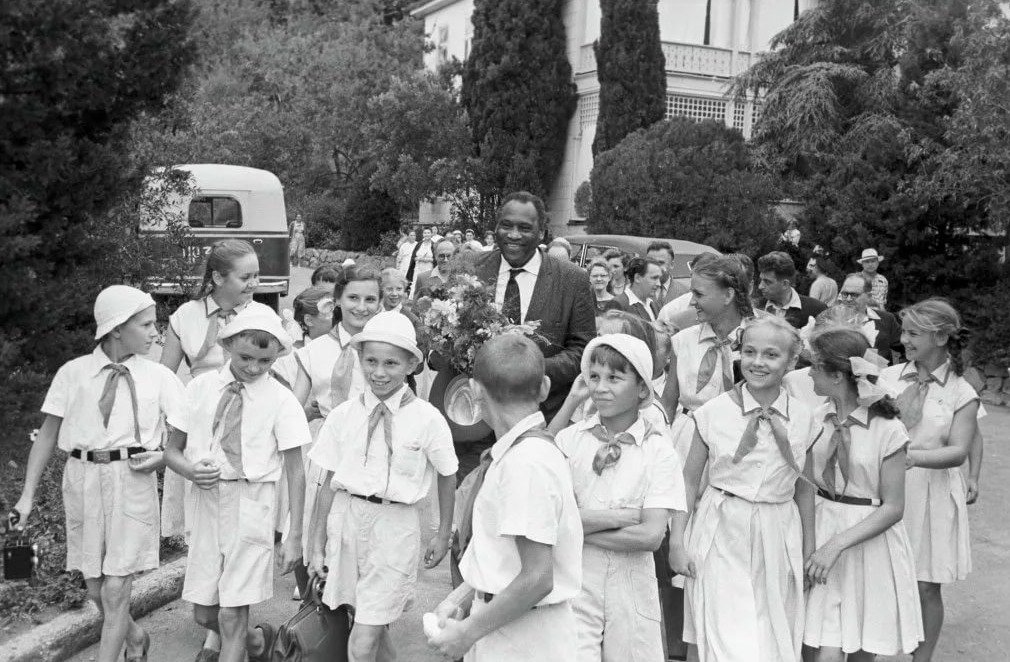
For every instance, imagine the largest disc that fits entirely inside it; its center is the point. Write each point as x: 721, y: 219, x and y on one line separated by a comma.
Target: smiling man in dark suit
x: 531, y: 285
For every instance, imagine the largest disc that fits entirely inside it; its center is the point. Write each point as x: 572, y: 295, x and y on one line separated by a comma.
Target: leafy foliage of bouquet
x: 461, y: 316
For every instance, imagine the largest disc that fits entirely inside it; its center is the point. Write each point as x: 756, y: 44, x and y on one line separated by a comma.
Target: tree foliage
x: 631, y: 70
x: 870, y: 117
x: 686, y: 180
x: 518, y: 92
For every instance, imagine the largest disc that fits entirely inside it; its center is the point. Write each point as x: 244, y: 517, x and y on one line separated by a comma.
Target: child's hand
x: 437, y: 548
x: 317, y: 565
x: 290, y: 555
x: 205, y: 474
x: 972, y: 496
x: 820, y: 563
x: 447, y: 610
x: 453, y: 640
x: 680, y: 562
x: 579, y: 392
x: 909, y: 460
x: 146, y: 462
x: 312, y: 411
x: 24, y: 509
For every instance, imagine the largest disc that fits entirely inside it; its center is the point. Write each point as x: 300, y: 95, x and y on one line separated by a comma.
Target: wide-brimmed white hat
x: 116, y: 304
x: 391, y: 327
x: 634, y: 350
x: 870, y: 254
x: 258, y: 320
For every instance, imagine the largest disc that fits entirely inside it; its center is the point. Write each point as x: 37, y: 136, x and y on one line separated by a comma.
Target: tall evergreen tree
x: 631, y: 69
x: 519, y: 94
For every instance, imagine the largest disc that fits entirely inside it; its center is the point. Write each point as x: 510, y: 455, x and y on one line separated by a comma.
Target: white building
x: 699, y: 65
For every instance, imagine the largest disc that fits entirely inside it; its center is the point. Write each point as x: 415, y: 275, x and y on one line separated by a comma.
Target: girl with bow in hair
x: 939, y: 408
x: 863, y: 600
x: 748, y: 535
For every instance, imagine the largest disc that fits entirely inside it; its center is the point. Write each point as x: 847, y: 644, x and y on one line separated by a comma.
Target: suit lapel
x: 539, y: 297
x: 487, y: 267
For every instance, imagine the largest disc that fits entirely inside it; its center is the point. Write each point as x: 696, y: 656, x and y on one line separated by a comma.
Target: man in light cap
x: 870, y: 261
x: 242, y: 430
x: 105, y: 411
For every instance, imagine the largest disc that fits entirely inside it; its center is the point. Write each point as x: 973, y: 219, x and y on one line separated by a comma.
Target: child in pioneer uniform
x: 105, y: 409
x: 242, y: 430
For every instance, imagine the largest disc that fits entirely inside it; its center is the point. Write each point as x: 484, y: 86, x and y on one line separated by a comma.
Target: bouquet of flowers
x: 461, y: 316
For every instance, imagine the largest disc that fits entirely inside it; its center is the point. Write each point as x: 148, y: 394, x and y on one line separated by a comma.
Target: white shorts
x: 112, y: 518
x: 544, y: 634
x: 231, y: 545
x: 372, y: 553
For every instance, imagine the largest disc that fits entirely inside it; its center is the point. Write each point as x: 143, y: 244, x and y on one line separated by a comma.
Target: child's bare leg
x: 363, y: 645
x: 862, y: 656
x: 932, y: 620
x: 115, y: 606
x: 212, y: 641
x: 828, y: 654
x: 135, y: 634
x: 234, y: 628
x: 386, y: 651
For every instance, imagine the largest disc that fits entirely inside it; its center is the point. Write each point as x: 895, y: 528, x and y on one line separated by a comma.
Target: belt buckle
x: 101, y: 457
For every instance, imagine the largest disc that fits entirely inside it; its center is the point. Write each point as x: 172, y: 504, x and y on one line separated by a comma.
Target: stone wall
x: 992, y: 383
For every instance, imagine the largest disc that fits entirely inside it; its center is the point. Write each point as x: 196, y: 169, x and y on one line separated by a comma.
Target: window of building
x: 696, y: 108
x: 215, y: 211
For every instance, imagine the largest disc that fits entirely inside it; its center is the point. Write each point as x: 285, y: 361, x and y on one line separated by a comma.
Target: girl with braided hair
x: 939, y: 408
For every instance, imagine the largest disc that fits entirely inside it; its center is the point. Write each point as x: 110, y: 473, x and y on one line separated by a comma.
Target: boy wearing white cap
x: 105, y: 410
x: 628, y: 483
x: 241, y: 430
x: 380, y: 451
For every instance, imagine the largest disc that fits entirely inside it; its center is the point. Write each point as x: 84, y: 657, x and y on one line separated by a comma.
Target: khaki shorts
x: 374, y: 566
x: 231, y: 545
x: 112, y: 518
x: 544, y: 634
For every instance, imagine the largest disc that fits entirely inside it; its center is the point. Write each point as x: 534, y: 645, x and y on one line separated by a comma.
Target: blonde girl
x: 747, y: 538
x: 940, y: 410
x: 863, y: 599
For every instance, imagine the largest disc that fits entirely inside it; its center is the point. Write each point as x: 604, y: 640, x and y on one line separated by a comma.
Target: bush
x: 367, y: 216
x: 685, y: 180
x: 987, y: 318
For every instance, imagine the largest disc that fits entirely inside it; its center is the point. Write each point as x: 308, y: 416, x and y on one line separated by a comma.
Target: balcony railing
x: 686, y: 58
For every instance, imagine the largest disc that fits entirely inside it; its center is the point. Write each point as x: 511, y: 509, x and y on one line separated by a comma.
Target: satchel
x: 314, y: 634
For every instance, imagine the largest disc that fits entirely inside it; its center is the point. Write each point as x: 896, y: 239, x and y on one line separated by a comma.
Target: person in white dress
x: 749, y: 533
x: 939, y: 408
x: 863, y: 599
x: 230, y: 278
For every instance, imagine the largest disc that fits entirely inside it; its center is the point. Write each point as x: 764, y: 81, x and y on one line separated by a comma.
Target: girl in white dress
x: 744, y: 547
x: 863, y: 601
x: 939, y: 408
x: 230, y: 279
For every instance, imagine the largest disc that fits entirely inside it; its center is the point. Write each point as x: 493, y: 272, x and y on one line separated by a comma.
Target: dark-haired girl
x: 939, y: 408
x: 863, y: 599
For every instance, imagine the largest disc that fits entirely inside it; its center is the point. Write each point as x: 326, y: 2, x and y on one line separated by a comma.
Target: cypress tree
x: 519, y: 94
x: 631, y: 69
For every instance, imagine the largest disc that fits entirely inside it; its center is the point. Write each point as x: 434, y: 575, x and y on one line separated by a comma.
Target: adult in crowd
x: 470, y: 241
x: 880, y: 327
x: 599, y: 279
x: 560, y: 248
x: 669, y: 289
x: 489, y: 240
x: 296, y: 247
x: 643, y: 276
x: 406, y: 235
x: 823, y: 288
x: 531, y: 285
x: 618, y: 262
x: 405, y: 249
x: 870, y: 261
x: 439, y: 276
x: 422, y: 259
x: 776, y: 276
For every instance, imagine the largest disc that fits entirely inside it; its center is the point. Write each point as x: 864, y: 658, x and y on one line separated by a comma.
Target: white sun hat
x: 116, y: 304
x: 391, y: 327
x: 251, y: 319
x: 634, y: 350
x: 870, y: 254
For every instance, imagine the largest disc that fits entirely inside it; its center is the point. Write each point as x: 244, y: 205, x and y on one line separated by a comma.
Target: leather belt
x: 850, y: 500
x: 104, y: 457
x: 488, y: 597
x: 378, y: 500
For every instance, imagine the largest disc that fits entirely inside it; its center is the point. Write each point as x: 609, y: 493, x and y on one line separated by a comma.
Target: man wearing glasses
x: 437, y: 277
x: 881, y: 328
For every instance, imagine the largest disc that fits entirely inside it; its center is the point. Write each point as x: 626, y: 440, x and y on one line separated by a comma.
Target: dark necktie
x: 911, y: 400
x: 229, y: 415
x: 511, y: 305
x: 108, y: 397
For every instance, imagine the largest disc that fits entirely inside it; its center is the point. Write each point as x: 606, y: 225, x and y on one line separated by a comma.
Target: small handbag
x: 20, y: 556
x: 315, y: 633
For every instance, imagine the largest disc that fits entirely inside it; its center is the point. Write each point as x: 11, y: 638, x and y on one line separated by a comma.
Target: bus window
x: 214, y: 211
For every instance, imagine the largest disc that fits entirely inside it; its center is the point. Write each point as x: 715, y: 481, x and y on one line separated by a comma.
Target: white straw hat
x: 390, y: 327
x: 116, y: 304
x: 870, y: 254
x: 634, y: 350
x: 251, y: 319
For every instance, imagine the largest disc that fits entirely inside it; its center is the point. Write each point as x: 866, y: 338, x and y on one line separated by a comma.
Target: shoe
x: 296, y: 596
x: 143, y: 655
x: 207, y: 655
x: 269, y: 637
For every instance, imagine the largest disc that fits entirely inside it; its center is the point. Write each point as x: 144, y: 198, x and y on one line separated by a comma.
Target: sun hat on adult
x: 631, y: 348
x: 116, y: 304
x: 258, y: 320
x: 870, y: 254
x: 390, y: 327
x: 347, y: 263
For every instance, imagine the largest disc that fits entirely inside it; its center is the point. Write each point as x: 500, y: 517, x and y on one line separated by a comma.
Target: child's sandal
x: 269, y: 638
x: 143, y: 655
